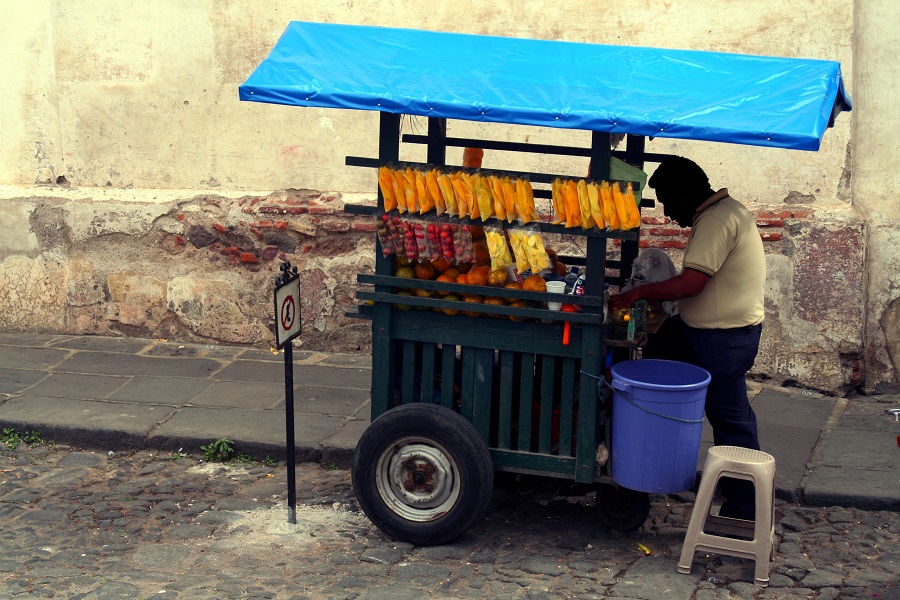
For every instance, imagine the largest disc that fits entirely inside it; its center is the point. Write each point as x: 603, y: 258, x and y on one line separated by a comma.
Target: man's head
x: 682, y: 186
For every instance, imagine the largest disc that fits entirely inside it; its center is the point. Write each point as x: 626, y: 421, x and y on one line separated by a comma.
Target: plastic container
x: 657, y: 424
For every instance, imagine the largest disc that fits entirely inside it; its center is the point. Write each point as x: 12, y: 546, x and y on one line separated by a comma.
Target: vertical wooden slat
x: 483, y: 391
x: 566, y: 406
x: 526, y: 397
x: 408, y: 383
x: 593, y: 347
x: 437, y: 141
x: 505, y: 415
x: 448, y: 373
x: 545, y: 438
x: 467, y: 397
x: 384, y: 367
x: 427, y: 372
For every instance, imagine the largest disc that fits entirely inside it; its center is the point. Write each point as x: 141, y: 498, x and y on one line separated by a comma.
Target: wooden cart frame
x: 537, y: 405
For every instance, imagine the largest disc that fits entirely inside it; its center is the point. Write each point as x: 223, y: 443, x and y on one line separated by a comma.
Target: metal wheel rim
x: 418, y: 479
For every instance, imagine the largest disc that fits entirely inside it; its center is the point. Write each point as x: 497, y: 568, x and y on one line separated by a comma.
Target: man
x: 720, y: 301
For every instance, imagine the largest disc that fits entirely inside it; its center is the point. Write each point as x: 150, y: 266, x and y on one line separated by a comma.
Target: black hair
x: 680, y: 173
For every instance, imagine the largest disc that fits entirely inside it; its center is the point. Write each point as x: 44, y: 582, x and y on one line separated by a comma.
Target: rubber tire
x: 397, y: 438
x: 621, y: 508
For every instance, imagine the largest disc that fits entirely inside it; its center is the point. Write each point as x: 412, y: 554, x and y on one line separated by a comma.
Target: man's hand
x: 684, y: 285
x: 624, y: 300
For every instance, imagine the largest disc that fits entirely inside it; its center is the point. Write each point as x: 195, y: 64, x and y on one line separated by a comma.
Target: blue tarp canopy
x: 714, y: 96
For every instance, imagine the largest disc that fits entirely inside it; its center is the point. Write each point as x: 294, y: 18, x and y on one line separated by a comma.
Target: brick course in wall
x: 662, y: 232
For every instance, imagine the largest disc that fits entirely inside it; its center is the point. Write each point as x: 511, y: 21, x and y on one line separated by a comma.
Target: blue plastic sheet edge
x: 712, y: 96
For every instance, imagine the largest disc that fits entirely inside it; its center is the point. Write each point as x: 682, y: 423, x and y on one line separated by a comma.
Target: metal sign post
x: 287, y: 327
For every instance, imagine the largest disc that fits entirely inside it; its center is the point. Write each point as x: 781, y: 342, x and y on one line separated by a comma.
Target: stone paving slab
x: 874, y: 451
x: 86, y: 423
x: 789, y: 429
x: 109, y: 363
x: 172, y: 391
x: 340, y: 447
x: 23, y: 339
x: 18, y: 357
x: 861, y: 488
x: 257, y: 432
x: 329, y: 400
x: 240, y: 394
x: 253, y: 370
x: 13, y: 380
x: 194, y: 350
x: 347, y: 378
x: 77, y: 385
x: 103, y: 344
x: 348, y: 360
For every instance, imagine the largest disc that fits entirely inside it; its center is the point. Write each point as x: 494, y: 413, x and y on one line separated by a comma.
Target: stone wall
x: 200, y: 268
x: 139, y: 196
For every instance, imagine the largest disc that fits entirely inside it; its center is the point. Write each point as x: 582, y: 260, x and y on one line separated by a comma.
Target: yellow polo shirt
x: 725, y: 244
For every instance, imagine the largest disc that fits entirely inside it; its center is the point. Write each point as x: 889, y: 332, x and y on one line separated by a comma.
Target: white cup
x: 556, y: 287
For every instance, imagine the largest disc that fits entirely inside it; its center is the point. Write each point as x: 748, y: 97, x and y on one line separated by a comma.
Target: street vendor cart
x: 457, y: 394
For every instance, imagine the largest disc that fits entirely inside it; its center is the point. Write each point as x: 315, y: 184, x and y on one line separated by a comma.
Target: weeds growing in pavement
x: 222, y: 450
x: 13, y: 438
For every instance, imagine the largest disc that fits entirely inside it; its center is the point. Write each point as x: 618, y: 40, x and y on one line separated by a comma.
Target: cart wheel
x: 422, y: 474
x: 621, y: 508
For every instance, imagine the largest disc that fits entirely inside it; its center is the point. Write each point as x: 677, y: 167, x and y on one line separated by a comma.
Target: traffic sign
x: 287, y: 308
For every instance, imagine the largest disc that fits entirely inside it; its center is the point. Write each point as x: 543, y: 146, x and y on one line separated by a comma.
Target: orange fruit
x: 404, y: 306
x: 474, y: 299
x: 479, y: 275
x: 534, y: 283
x: 495, y: 301
x: 450, y: 311
x: 405, y: 273
x: 424, y: 271
x: 462, y: 279
x: 482, y: 255
x: 498, y: 278
x: 452, y: 272
x: 513, y: 285
x: 445, y: 278
x: 518, y: 304
x: 440, y: 265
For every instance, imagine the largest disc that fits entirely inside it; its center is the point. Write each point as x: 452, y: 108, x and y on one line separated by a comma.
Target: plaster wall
x: 876, y: 181
x: 121, y: 116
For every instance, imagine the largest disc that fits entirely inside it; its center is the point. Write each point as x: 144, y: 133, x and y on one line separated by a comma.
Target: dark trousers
x: 727, y: 354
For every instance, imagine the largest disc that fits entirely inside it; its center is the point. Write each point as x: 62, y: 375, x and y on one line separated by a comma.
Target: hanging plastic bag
x: 558, y: 201
x: 386, y: 185
x: 497, y: 248
x: 408, y: 236
x: 384, y: 235
x: 528, y: 246
x: 462, y: 244
x: 483, y: 196
x: 525, y: 210
x: 433, y: 189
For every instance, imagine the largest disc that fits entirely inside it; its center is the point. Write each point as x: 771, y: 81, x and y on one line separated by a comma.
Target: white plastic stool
x: 705, y: 531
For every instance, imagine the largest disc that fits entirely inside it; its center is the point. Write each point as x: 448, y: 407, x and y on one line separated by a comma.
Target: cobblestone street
x: 81, y: 525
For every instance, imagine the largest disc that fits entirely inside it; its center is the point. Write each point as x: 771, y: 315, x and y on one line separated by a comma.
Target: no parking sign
x: 287, y: 327
x: 287, y: 305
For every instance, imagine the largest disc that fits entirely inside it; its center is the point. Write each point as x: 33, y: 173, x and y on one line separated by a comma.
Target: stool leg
x: 702, y: 504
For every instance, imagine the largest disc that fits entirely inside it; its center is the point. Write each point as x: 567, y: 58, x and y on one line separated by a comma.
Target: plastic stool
x: 707, y: 532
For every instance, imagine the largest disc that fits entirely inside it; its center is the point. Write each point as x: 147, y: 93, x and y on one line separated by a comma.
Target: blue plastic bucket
x: 657, y: 421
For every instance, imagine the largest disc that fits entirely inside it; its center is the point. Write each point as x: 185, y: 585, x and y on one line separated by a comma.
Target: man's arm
x: 689, y: 282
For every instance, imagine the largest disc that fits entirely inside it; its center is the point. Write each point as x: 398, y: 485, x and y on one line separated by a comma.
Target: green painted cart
x: 456, y: 398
